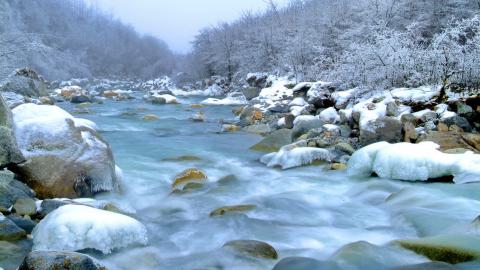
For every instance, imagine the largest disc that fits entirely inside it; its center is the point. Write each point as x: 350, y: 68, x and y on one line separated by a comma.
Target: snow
x: 369, y: 115
x: 295, y: 155
x: 305, y: 118
x: 299, y: 101
x: 277, y: 91
x: 301, y: 86
x: 420, y: 94
x: 214, y: 90
x: 421, y: 113
x: 78, y: 227
x: 169, y: 99
x: 413, y: 162
x: 230, y: 100
x: 330, y: 116
x: 343, y: 97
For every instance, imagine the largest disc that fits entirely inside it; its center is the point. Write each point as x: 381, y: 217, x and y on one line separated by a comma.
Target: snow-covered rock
x: 414, y: 162
x: 342, y: 98
x: 320, y: 94
x: 421, y: 94
x: 295, y: 155
x: 278, y: 91
x: 66, y: 156
x: 77, y: 227
x: 298, y: 101
x: 163, y: 83
x: 330, y: 116
x: 229, y: 100
x: 212, y: 91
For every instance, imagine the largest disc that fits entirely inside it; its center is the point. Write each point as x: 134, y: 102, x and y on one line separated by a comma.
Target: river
x: 308, y: 211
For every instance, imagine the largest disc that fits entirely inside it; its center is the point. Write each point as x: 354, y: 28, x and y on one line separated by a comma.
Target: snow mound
x: 214, y: 90
x: 77, y: 227
x: 413, y: 162
x: 414, y: 95
x: 295, y: 155
x: 330, y: 116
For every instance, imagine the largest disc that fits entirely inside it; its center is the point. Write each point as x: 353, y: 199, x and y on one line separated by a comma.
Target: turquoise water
x: 307, y: 211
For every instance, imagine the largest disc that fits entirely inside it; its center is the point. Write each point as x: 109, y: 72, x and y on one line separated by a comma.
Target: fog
x: 177, y: 22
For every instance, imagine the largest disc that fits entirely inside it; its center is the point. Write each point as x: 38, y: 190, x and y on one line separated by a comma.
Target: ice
x: 295, y: 155
x: 78, y: 227
x: 230, y: 100
x: 413, y: 162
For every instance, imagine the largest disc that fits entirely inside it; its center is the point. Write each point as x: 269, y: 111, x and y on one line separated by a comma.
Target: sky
x: 178, y: 21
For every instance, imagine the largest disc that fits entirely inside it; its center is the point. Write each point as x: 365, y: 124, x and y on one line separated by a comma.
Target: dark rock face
x: 26, y: 82
x: 11, y: 190
x: 81, y: 99
x: 251, y: 92
x: 25, y: 224
x: 47, y: 260
x: 458, y: 121
x: 9, y: 152
x: 383, y: 129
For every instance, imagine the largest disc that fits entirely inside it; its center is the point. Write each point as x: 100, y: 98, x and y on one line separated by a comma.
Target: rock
x: 25, y: 224
x: 345, y: 147
x: 260, y: 129
x: 9, y: 151
x: 301, y: 263
x: 150, y: 117
x: 392, y: 109
x: 189, y: 176
x: 25, y: 82
x: 453, y: 140
x: 253, y: 248
x: 198, y: 117
x: 250, y: 92
x: 230, y: 128
x: 458, y: 121
x: 463, y: 108
x: 274, y: 141
x: 183, y: 158
x: 289, y: 118
x: 382, y: 129
x: 11, y: 190
x: 303, y: 124
x: 428, y: 266
x: 67, y: 158
x: 9, y: 231
x: 77, y: 99
x: 338, y: 166
x: 409, y: 128
x: 250, y: 116
x: 258, y: 80
x: 232, y: 209
x: 329, y: 116
x: 196, y: 106
x: 59, y: 260
x: 25, y: 207
x: 68, y: 92
x: 446, y: 248
x: 47, y: 101
x: 13, y: 99
x: 157, y: 100
x: 320, y: 95
x: 237, y: 110
x: 8, y: 250
x: 47, y: 206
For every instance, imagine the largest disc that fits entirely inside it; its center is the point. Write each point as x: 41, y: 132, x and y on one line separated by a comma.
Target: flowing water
x: 307, y: 211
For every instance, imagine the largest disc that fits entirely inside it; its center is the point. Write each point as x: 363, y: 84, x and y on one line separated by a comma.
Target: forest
x: 372, y: 43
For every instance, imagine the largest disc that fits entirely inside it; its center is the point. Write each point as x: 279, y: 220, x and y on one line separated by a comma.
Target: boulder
x: 274, y: 141
x: 455, y: 122
x: 251, y: 92
x: 9, y: 151
x: 25, y: 82
x: 253, y: 248
x: 25, y: 223
x: 11, y: 190
x: 25, y: 207
x: 320, y: 95
x: 453, y: 140
x: 260, y: 129
x: 59, y: 260
x: 409, y: 128
x: 249, y: 116
x: 9, y: 231
x: 230, y: 128
x: 382, y: 129
x: 305, y: 123
x: 66, y: 156
x: 150, y: 117
x: 77, y: 99
x: 392, y: 109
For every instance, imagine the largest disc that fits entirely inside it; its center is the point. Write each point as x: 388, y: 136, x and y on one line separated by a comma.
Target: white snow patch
x: 330, y: 116
x: 77, y: 227
x: 230, y: 100
x: 420, y: 94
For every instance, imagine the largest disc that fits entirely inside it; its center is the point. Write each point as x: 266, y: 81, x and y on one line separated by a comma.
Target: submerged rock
x: 427, y: 266
x: 253, y: 248
x: 446, y: 248
x: 78, y: 227
x: 59, y: 260
x: 302, y: 263
x: 183, y: 158
x: 230, y: 128
x: 274, y: 141
x: 150, y: 117
x: 232, y: 209
x: 189, y: 176
x: 66, y: 156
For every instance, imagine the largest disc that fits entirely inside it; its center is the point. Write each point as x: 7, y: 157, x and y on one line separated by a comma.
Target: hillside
x: 67, y: 38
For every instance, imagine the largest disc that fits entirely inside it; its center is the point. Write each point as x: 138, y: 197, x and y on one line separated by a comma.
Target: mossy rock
x: 274, y: 141
x: 183, y: 158
x: 338, y: 166
x: 451, y: 249
x: 253, y: 248
x: 232, y: 209
x: 189, y: 176
x: 150, y: 117
x: 196, y: 106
